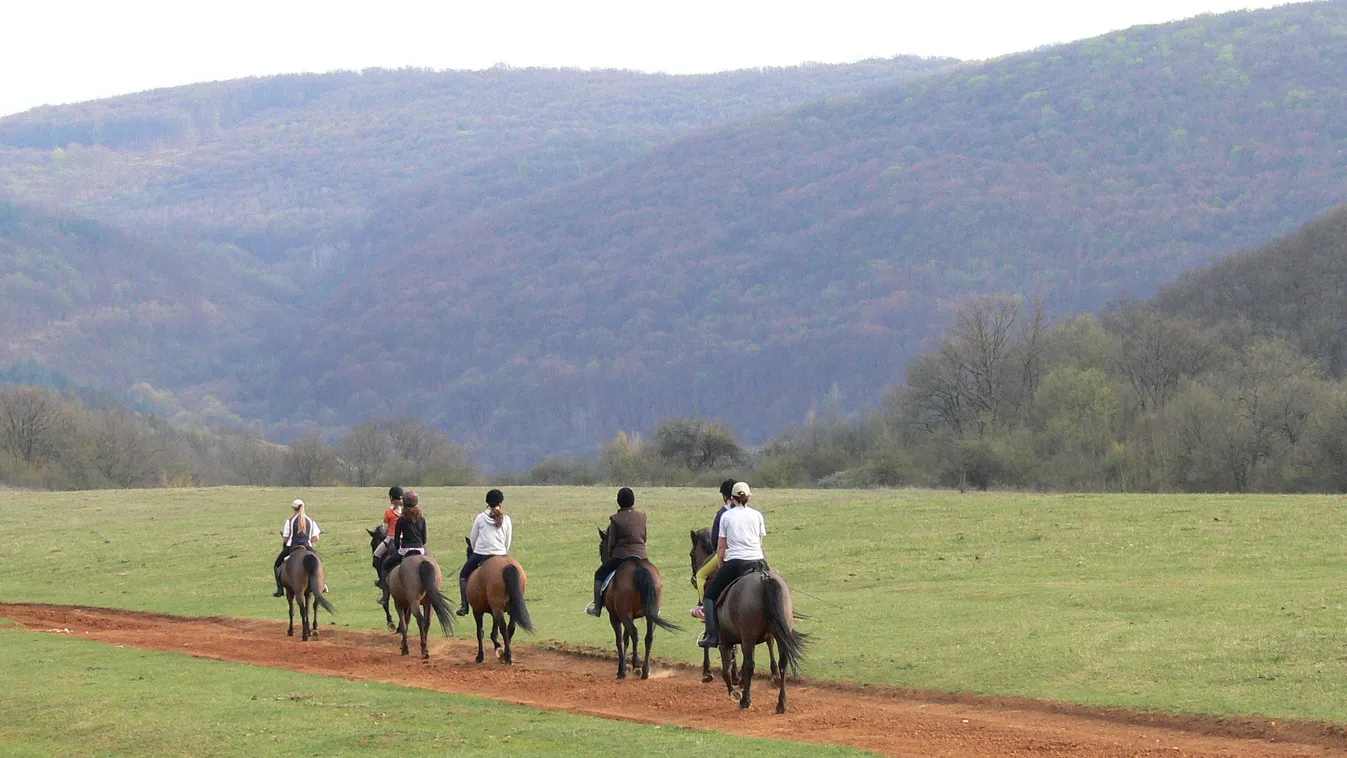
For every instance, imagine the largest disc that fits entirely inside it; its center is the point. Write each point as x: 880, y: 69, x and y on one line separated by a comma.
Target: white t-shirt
x: 743, y: 530
x: 314, y: 531
x: 487, y: 538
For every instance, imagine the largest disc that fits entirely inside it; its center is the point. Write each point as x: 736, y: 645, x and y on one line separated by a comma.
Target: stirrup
x: 593, y: 610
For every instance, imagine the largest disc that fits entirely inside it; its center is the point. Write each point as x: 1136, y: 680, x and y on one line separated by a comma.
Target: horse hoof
x: 481, y: 658
x: 707, y: 678
x: 425, y: 656
x: 645, y: 674
x: 780, y: 709
x: 392, y: 628
x: 744, y: 704
x: 290, y: 633
x: 735, y: 695
x: 404, y: 651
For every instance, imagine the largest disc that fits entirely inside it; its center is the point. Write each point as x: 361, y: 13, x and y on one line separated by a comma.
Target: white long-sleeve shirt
x: 489, y: 539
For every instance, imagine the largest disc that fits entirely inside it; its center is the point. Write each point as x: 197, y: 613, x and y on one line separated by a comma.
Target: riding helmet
x: 495, y: 497
x: 395, y: 493
x: 410, y: 498
x: 626, y: 498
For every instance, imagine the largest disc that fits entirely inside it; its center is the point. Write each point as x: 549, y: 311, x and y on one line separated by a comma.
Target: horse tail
x: 437, y: 601
x: 315, y: 586
x: 645, y: 586
x: 789, y: 642
x: 514, y: 591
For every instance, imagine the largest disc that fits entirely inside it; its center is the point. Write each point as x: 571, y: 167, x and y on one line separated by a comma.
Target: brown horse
x: 497, y: 587
x: 701, y: 552
x: 302, y: 577
x: 754, y: 609
x: 414, y: 586
x: 633, y: 593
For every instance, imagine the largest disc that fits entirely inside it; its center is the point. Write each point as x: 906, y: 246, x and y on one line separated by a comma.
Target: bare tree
x: 254, y: 459
x: 414, y: 441
x: 33, y: 421
x: 124, y: 449
x: 362, y: 451
x: 1159, y: 352
x: 308, y: 462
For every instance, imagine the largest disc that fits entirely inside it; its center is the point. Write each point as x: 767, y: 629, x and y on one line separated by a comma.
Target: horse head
x: 603, y: 546
x: 376, y: 536
x: 469, y: 542
x: 701, y: 551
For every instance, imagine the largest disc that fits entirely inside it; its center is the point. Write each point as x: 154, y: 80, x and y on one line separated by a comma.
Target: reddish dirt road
x: 888, y: 722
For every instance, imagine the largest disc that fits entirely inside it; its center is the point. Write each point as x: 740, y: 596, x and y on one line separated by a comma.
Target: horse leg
x: 304, y: 616
x: 649, y: 638
x: 746, y: 677
x: 734, y: 663
x: 423, y: 625
x: 726, y: 659
x: 481, y: 654
x: 508, y: 660
x: 781, y: 696
x: 619, y: 633
x: 634, y: 644
x: 777, y: 673
x: 290, y: 598
x: 404, y: 617
x: 497, y: 628
x: 706, y: 665
x: 313, y: 625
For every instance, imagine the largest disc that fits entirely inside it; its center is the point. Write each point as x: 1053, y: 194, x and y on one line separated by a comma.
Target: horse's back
x: 405, y: 581
x: 293, y: 572
x: 744, y: 606
x: 624, y: 589
x: 487, y: 588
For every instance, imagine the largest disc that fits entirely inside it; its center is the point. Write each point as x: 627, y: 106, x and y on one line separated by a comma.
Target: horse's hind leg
x: 781, y: 698
x: 726, y: 660
x: 509, y: 635
x: 634, y: 640
x: 497, y: 629
x: 746, y: 677
x: 777, y: 673
x: 620, y: 634
x: 290, y: 598
x: 481, y: 654
x: 706, y: 665
x: 649, y: 638
x: 304, y: 616
x: 423, y: 626
x: 404, y: 619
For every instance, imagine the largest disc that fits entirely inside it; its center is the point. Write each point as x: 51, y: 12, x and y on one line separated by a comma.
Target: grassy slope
x: 1141, y: 601
x: 75, y: 698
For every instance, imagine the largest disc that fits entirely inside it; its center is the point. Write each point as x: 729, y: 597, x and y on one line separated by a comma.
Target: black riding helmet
x: 395, y: 493
x: 626, y: 498
x: 494, y: 498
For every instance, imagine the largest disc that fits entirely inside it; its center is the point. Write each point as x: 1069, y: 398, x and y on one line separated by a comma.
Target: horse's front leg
x: 290, y: 599
x: 304, y: 616
x: 404, y: 619
x: 726, y: 661
x: 706, y: 665
x: 634, y: 643
x: 508, y: 659
x: 497, y: 628
x: 423, y: 626
x: 620, y: 634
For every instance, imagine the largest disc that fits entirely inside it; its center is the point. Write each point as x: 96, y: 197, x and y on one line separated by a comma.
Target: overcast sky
x: 60, y: 51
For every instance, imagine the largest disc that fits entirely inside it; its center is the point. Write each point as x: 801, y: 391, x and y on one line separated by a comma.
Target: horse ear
x: 467, y: 541
x: 693, y: 532
x: 372, y: 533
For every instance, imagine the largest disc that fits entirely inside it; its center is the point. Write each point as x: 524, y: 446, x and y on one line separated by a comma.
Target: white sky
x: 60, y: 51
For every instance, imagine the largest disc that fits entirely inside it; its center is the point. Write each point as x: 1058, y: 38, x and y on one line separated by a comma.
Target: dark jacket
x: 626, y: 534
x: 410, y: 533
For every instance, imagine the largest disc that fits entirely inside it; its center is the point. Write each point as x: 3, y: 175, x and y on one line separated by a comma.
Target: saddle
x: 609, y: 580
x: 764, y: 570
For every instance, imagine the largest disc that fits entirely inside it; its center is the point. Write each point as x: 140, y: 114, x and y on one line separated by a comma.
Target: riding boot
x: 596, y: 609
x: 280, y: 591
x: 711, y: 638
x: 463, y: 596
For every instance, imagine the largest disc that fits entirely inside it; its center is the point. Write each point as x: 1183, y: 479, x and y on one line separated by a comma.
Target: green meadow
x: 1208, y: 604
x: 70, y: 697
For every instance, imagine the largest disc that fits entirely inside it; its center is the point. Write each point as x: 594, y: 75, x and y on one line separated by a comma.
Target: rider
x: 409, y: 535
x: 712, y: 564
x: 740, y: 548
x: 626, y: 539
x: 390, y: 524
x: 299, y: 531
x: 491, y: 535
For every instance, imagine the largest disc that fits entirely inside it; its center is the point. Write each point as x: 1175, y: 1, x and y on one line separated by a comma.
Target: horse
x: 701, y: 552
x: 634, y: 592
x: 414, y: 586
x: 497, y: 587
x: 376, y: 538
x: 757, y: 608
x: 302, y: 577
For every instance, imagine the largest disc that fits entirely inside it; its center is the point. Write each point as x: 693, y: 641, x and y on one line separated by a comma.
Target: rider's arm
x: 397, y: 535
x: 720, y: 549
x: 316, y: 532
x: 476, y: 531
x: 508, y: 529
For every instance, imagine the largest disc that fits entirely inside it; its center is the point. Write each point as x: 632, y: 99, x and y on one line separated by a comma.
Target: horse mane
x: 702, y: 539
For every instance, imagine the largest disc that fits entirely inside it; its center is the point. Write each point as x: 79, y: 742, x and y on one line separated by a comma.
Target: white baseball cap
x: 297, y: 504
x: 740, y: 488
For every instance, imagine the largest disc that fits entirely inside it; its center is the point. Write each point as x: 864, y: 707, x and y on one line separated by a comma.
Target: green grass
x: 69, y: 697
x: 1199, y: 604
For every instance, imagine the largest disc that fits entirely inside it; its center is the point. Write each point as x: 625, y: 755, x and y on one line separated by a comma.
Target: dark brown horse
x: 701, y: 552
x: 414, y: 586
x: 376, y: 538
x: 755, y: 609
x: 302, y: 578
x: 497, y: 587
x: 633, y: 593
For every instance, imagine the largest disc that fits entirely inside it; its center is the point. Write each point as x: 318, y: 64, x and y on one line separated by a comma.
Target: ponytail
x: 301, y: 525
x: 411, y: 512
x: 496, y: 515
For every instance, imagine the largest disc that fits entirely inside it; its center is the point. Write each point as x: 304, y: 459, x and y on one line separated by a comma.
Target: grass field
x: 1198, y: 604
x: 69, y: 697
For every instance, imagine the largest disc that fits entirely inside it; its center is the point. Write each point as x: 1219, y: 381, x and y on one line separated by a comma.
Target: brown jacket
x: 626, y: 534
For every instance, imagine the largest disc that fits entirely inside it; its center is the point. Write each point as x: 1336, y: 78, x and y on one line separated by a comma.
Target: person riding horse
x: 713, y: 564
x: 742, y: 529
x: 391, y: 517
x: 626, y: 541
x: 299, y: 531
x: 491, y: 535
x: 410, y: 536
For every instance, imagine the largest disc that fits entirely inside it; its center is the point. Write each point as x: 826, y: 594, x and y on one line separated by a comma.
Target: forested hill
x: 1295, y: 287
x: 286, y: 167
x: 747, y: 272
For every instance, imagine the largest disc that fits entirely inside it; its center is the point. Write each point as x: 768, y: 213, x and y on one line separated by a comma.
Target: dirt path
x: 888, y: 722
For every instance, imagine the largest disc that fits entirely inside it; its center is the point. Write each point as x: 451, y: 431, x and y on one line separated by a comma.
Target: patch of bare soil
x: 887, y: 721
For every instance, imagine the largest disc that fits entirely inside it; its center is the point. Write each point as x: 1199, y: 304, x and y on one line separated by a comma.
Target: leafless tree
x: 33, y: 421
x: 308, y: 462
x: 362, y: 451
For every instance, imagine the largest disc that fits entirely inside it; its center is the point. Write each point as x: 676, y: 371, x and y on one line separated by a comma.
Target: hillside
x: 749, y: 271
x: 286, y: 167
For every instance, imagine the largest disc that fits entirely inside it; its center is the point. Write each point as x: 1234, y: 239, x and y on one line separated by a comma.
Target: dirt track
x: 889, y: 722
